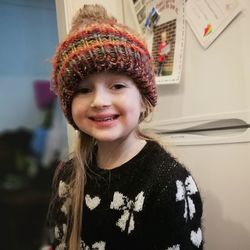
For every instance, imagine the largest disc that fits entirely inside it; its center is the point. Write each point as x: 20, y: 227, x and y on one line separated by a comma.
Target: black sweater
x: 150, y: 202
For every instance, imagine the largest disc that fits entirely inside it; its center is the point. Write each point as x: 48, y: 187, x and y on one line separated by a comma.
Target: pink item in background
x: 44, y: 96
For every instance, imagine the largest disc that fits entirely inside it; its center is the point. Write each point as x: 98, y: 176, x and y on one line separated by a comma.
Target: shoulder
x: 163, y: 163
x: 176, y: 207
x: 168, y: 173
x: 172, y: 181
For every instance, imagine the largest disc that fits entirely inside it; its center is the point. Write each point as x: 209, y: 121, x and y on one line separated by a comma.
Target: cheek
x: 131, y: 107
x: 78, y: 107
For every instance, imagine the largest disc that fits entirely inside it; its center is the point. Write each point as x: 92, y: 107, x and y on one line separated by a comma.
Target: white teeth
x: 104, y: 119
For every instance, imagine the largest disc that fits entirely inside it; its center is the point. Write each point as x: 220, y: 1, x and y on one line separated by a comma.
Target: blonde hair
x: 82, y: 156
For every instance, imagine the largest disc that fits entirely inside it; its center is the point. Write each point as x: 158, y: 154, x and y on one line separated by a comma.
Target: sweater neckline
x: 125, y: 166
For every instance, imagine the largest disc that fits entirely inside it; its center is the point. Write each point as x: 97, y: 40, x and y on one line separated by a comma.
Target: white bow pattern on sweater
x: 175, y: 247
x: 96, y: 246
x: 121, y: 202
x: 184, y: 192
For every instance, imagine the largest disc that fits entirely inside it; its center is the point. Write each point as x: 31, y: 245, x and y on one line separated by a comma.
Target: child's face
x: 107, y: 106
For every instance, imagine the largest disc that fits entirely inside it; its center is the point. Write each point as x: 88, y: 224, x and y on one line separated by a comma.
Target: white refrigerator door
x: 220, y: 162
x: 221, y: 128
x: 222, y: 173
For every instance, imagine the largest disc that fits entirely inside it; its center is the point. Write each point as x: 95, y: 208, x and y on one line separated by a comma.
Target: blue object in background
x: 38, y: 141
x: 152, y: 18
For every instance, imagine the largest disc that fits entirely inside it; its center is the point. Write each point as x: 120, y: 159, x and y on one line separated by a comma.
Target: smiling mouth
x: 104, y: 119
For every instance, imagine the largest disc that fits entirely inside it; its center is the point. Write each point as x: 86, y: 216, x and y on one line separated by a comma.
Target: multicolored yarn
x: 101, y: 47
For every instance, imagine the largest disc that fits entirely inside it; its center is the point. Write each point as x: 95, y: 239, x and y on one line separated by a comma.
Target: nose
x: 101, y: 98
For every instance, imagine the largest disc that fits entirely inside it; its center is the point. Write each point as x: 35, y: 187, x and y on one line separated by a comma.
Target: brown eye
x: 118, y: 86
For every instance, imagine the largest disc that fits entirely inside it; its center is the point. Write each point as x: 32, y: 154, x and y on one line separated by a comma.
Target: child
x: 121, y: 189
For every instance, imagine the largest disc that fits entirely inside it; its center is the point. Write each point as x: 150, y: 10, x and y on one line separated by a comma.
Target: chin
x: 106, y: 139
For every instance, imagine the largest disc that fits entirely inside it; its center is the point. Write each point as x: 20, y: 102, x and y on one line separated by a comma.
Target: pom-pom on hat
x: 98, y: 43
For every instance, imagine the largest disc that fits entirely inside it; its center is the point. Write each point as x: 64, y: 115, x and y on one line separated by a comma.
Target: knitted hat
x: 97, y: 43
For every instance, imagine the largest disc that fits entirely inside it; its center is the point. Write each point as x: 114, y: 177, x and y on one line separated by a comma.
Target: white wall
x: 28, y: 39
